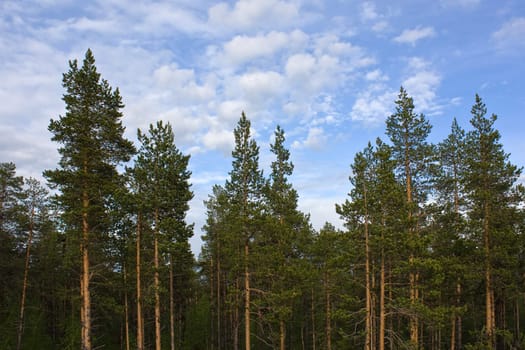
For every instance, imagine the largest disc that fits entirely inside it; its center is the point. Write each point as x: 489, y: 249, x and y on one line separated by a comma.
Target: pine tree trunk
x: 126, y: 309
x: 382, y: 313
x: 246, y: 298
x: 368, y: 302
x: 24, y: 284
x: 282, y: 335
x: 218, y: 296
x: 312, y: 314
x: 156, y: 282
x: 489, y: 297
x: 85, y: 277
x: 328, y: 322
x: 414, y: 324
x: 172, y: 308
x: 140, y: 320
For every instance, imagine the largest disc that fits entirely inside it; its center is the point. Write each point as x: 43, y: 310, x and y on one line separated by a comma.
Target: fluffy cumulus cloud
x: 412, y: 36
x: 373, y: 105
x: 371, y: 16
x: 422, y: 82
x: 316, y: 139
x: 244, y: 48
x: 250, y: 15
x: 510, y: 36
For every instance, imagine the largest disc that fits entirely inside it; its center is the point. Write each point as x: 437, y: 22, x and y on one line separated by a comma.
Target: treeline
x: 432, y: 255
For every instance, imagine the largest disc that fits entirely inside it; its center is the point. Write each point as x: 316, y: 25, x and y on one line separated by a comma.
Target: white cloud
x: 316, y: 139
x: 460, y: 3
x: 253, y: 14
x: 368, y: 11
x: 244, y: 48
x: 376, y: 75
x: 421, y: 83
x: 511, y: 35
x: 411, y: 36
x: 373, y: 105
x: 218, y: 138
x: 370, y: 16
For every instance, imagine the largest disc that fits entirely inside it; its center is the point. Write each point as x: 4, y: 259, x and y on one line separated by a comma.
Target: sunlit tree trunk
x: 156, y: 281
x: 246, y: 298
x: 24, y: 284
x: 85, y: 277
x: 172, y: 308
x: 140, y: 319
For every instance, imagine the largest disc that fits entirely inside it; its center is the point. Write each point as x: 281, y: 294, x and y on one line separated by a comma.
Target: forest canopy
x: 431, y: 256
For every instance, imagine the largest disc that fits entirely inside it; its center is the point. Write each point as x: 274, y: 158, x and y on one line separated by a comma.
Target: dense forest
x: 432, y: 254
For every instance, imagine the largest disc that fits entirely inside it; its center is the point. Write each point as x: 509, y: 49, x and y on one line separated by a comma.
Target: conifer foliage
x: 430, y: 255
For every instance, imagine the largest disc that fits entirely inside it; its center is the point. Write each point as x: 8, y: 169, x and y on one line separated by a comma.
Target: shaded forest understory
x: 432, y: 255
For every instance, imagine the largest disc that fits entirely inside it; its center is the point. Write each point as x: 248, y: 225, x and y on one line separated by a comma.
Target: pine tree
x: 10, y: 195
x: 244, y: 191
x: 408, y: 132
x: 281, y: 247
x: 92, y: 146
x: 449, y: 244
x: 490, y: 182
x: 34, y: 204
x: 161, y: 178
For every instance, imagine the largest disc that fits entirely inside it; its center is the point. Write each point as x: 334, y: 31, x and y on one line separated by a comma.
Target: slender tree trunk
x: 156, y: 282
x: 218, y: 296
x: 312, y: 314
x: 126, y: 309
x: 24, y: 284
x: 172, y: 308
x: 414, y: 324
x: 282, y: 335
x: 246, y: 298
x: 368, y: 302
x: 84, y: 280
x: 328, y: 322
x: 235, y: 321
x: 489, y: 297
x: 140, y: 319
x: 382, y: 313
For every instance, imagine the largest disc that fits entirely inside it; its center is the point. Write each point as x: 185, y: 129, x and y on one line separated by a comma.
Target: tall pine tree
x: 92, y: 147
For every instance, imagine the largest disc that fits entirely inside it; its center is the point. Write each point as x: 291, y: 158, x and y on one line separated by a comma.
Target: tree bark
x: 282, y: 335
x: 126, y: 309
x: 368, y: 302
x: 24, y: 284
x: 172, y: 308
x: 382, y: 313
x: 156, y: 282
x: 140, y: 320
x: 328, y: 322
x: 85, y: 277
x: 246, y: 298
x: 489, y: 293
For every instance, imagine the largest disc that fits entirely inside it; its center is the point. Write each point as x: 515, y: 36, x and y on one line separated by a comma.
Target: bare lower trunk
x: 24, y: 284
x: 84, y: 279
x: 368, y: 302
x: 282, y: 335
x: 172, y: 308
x: 312, y: 311
x: 126, y: 309
x: 140, y: 320
x: 156, y: 282
x: 246, y: 298
x: 382, y: 313
x: 489, y: 292
x: 328, y: 325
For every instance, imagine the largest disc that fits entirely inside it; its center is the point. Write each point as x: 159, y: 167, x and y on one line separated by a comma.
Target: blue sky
x: 328, y: 72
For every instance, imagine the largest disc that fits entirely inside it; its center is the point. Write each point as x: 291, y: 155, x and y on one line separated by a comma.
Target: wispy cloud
x: 511, y: 36
x: 412, y: 36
